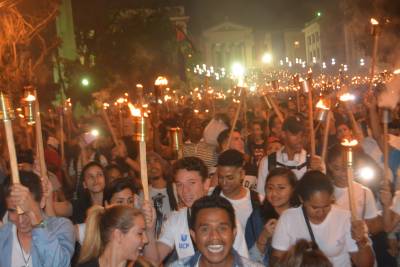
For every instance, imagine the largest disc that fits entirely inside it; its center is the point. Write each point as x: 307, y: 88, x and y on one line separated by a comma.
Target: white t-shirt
x: 18, y: 254
x: 81, y: 232
x: 333, y: 235
x: 365, y: 201
x: 243, y: 208
x: 175, y: 234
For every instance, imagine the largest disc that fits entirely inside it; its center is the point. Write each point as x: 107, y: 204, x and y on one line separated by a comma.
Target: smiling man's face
x: 214, y: 234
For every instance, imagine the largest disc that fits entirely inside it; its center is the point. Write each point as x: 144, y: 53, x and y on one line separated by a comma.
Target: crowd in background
x: 244, y: 193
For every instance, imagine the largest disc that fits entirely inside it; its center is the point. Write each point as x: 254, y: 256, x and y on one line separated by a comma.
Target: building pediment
x: 226, y: 27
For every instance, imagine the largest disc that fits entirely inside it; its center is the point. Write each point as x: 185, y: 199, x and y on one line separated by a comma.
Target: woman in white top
x: 326, y: 225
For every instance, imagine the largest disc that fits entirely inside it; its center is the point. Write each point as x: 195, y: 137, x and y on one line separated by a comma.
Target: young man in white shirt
x: 292, y: 155
x: 191, y: 178
x: 230, y: 174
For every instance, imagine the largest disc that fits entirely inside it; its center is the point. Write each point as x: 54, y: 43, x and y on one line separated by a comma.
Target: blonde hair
x: 99, y: 226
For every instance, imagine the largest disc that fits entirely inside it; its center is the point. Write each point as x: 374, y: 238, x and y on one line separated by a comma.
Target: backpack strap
x: 255, y: 199
x: 272, y: 161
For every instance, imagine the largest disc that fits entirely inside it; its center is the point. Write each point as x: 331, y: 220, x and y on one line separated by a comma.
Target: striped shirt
x: 202, y: 150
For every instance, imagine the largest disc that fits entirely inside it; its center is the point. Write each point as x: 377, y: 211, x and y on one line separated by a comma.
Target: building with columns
x: 227, y: 43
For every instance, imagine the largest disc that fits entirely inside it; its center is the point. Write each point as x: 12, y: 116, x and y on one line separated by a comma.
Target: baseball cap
x: 293, y: 124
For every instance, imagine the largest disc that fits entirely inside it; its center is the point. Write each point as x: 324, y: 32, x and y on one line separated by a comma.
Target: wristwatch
x: 41, y: 224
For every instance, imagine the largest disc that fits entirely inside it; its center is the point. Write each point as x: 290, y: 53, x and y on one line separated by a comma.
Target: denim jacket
x: 52, y: 245
x: 193, y: 261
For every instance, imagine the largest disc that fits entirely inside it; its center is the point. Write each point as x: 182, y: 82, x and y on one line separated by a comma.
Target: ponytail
x: 100, y: 224
x: 92, y: 247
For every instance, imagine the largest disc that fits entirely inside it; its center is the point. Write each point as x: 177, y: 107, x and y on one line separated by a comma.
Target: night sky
x: 262, y: 14
x: 258, y: 14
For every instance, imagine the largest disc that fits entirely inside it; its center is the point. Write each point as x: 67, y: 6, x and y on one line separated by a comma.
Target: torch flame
x: 321, y: 105
x: 161, y: 81
x: 120, y: 100
x: 347, y: 97
x: 374, y: 21
x: 30, y: 98
x: 135, y: 112
x: 348, y: 143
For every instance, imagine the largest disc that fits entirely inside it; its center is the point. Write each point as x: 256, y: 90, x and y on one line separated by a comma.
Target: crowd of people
x: 244, y: 192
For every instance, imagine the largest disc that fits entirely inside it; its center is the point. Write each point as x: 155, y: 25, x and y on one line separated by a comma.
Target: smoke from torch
x: 389, y: 98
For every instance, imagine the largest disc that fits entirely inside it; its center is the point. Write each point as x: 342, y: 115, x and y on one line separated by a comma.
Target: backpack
x: 273, y: 163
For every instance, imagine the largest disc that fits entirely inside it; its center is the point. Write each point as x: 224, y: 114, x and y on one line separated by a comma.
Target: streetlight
x: 85, y: 82
x: 238, y: 73
x: 266, y: 58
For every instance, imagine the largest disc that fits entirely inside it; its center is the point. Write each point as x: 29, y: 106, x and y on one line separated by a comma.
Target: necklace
x: 26, y: 261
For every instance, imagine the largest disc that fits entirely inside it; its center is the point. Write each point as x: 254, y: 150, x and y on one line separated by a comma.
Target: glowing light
x: 135, y: 112
x: 374, y: 21
x: 362, y: 62
x: 161, y: 81
x: 237, y: 70
x: 396, y: 72
x: 366, y: 173
x: 321, y: 105
x: 120, y: 100
x: 30, y: 98
x: 94, y: 132
x: 348, y: 143
x: 139, y: 85
x: 347, y: 97
x: 85, y: 82
x: 267, y: 58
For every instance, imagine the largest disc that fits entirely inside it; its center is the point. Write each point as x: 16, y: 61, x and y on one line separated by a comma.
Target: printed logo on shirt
x: 184, y: 237
x: 184, y: 244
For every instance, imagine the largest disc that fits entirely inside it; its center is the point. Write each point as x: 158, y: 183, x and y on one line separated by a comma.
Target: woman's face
x: 256, y: 131
x: 94, y: 180
x: 318, y: 206
x: 124, y: 197
x: 154, y: 167
x: 135, y: 239
x: 278, y: 191
x: 337, y: 169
